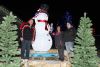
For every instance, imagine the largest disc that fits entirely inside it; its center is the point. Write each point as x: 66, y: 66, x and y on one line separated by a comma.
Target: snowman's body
x: 43, y: 40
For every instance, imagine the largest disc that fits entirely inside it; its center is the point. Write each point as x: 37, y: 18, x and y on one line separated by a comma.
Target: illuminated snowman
x: 43, y: 40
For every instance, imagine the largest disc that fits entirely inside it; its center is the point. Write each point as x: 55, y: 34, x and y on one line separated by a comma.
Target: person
x: 68, y: 38
x: 59, y: 42
x: 26, y: 38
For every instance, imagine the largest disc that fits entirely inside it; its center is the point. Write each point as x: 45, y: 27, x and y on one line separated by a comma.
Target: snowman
x: 43, y: 40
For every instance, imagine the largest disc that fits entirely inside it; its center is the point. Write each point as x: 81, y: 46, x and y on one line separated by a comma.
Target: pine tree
x: 85, y: 50
x: 8, y: 42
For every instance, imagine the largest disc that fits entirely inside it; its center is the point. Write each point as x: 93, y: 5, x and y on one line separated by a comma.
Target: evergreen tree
x: 85, y: 50
x: 8, y: 42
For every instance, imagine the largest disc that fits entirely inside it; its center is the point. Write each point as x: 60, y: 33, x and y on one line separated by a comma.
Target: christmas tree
x: 85, y: 50
x: 8, y: 42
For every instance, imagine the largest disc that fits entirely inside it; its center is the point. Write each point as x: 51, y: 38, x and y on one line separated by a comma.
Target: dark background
x: 25, y: 9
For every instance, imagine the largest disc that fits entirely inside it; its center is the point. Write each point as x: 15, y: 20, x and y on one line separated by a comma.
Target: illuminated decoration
x: 68, y: 17
x: 43, y: 40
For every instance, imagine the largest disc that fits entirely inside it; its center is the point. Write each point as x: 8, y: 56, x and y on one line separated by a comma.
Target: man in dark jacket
x: 26, y: 39
x: 68, y: 38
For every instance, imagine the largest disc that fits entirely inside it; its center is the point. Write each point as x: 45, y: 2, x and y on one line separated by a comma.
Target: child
x: 59, y: 43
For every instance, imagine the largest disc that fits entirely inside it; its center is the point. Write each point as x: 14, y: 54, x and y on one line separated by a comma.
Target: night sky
x: 25, y: 9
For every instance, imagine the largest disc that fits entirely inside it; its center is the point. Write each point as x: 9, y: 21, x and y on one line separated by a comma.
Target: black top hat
x: 44, y: 6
